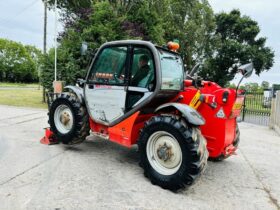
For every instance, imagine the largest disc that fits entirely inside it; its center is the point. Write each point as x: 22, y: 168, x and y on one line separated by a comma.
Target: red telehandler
x: 138, y: 93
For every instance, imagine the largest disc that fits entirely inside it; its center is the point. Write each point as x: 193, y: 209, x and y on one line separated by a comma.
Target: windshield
x: 109, y: 67
x: 172, y: 71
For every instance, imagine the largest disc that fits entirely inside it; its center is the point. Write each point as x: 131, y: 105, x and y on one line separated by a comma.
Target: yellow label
x: 237, y: 106
x: 195, y: 102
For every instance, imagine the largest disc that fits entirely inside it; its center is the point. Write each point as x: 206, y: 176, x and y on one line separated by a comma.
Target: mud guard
x: 190, y: 114
x: 78, y: 92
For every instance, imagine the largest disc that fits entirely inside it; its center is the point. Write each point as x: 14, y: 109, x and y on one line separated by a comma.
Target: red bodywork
x: 49, y: 139
x: 220, y: 132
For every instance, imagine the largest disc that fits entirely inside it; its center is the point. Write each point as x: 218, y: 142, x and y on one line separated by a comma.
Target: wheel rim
x: 164, y: 153
x: 63, y: 119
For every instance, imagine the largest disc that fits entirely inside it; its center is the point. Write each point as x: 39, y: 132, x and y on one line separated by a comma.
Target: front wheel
x: 68, y: 119
x: 172, y: 153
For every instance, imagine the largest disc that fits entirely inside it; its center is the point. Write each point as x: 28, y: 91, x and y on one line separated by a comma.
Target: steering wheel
x: 117, y: 80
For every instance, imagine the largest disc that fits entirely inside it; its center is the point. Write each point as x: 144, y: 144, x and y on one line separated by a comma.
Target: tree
x: 16, y: 62
x: 252, y: 86
x: 192, y: 22
x: 265, y: 84
x: 237, y: 40
x: 231, y: 85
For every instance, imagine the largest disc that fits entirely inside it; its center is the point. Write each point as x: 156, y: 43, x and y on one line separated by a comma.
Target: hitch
x: 230, y: 150
x: 49, y: 138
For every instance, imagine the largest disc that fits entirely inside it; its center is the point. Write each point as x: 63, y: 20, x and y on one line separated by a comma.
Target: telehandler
x: 138, y: 93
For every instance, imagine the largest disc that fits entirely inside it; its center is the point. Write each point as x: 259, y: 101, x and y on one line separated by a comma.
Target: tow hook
x: 230, y: 150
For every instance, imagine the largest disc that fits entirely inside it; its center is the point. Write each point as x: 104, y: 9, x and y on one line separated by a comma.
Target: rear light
x: 225, y: 96
x: 209, y: 99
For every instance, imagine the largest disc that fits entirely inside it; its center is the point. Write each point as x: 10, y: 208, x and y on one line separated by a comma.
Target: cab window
x: 172, y: 71
x: 142, y: 71
x: 110, y: 66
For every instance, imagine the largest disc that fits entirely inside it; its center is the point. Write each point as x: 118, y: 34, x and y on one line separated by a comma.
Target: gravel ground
x: 99, y: 174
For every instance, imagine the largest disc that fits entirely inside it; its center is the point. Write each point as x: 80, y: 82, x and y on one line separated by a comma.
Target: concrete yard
x: 99, y: 174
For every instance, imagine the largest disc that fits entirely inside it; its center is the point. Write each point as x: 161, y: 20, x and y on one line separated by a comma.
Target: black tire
x: 235, y: 143
x: 194, y: 152
x: 80, y: 128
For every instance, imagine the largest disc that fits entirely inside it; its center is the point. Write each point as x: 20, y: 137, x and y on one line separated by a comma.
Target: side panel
x: 125, y: 133
x: 105, y: 103
x: 122, y: 132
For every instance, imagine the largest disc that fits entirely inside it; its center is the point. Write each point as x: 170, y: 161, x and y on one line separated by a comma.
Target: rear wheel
x: 69, y: 119
x: 172, y: 153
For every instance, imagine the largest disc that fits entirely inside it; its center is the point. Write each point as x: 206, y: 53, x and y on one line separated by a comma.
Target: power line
x: 9, y: 19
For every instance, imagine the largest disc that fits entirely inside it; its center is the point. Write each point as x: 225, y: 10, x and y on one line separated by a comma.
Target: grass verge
x: 22, y: 97
x: 7, y: 84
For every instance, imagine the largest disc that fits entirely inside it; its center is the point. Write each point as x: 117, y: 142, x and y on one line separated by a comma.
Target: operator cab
x: 130, y: 76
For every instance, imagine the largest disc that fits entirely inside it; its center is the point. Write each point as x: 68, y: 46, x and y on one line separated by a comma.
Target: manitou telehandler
x: 138, y: 93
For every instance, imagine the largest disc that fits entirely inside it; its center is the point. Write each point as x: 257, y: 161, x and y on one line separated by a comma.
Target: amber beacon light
x: 173, y: 46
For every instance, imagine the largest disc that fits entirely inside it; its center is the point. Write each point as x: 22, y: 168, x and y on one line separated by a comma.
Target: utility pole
x: 57, y: 85
x: 55, y: 42
x: 45, y: 39
x: 45, y: 26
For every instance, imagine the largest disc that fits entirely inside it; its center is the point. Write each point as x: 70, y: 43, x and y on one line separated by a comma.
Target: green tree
x: 265, y: 85
x: 193, y: 23
x: 16, y: 63
x: 237, y: 40
x: 231, y: 85
x: 252, y: 86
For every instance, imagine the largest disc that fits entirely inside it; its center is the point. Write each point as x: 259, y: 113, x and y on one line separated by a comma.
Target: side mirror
x: 84, y: 48
x: 246, y: 69
x: 81, y: 82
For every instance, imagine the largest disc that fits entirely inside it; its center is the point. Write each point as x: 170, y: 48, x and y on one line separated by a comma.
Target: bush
x: 67, y: 69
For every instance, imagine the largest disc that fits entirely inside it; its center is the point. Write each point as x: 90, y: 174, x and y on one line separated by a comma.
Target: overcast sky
x: 22, y: 20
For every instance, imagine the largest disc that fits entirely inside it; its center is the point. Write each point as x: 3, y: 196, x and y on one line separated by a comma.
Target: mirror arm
x: 194, y: 69
x: 240, y: 82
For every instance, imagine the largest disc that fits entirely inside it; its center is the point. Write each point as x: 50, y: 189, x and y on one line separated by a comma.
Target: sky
x: 22, y: 20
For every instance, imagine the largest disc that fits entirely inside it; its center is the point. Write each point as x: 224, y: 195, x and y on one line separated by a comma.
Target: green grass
x: 22, y: 97
x: 7, y: 84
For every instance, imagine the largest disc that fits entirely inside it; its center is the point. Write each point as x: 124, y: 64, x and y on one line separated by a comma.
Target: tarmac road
x: 99, y: 174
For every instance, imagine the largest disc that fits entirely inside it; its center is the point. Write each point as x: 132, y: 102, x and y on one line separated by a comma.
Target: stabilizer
x: 49, y: 138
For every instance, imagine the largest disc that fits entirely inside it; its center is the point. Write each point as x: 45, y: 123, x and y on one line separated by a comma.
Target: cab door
x: 141, y: 76
x: 106, y: 85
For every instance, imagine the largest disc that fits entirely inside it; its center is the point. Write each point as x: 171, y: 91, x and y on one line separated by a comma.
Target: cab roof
x: 138, y: 42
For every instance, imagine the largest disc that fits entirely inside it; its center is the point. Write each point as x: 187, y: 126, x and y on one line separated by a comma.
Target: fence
x: 257, y: 108
x: 275, y: 113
